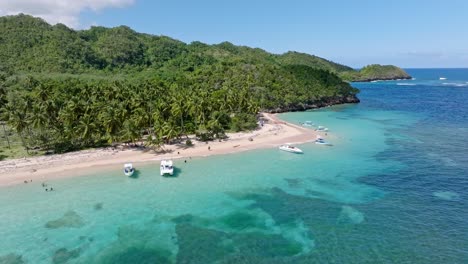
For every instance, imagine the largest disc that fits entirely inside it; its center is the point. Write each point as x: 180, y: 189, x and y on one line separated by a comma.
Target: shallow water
x: 391, y: 189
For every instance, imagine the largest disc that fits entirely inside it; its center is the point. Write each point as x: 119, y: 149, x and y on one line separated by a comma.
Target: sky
x: 407, y: 33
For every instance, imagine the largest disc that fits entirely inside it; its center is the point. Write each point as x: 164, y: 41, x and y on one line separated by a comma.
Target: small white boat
x: 287, y: 147
x: 320, y: 141
x: 128, y: 169
x: 166, y: 167
x: 307, y: 124
x: 442, y: 78
x: 321, y: 129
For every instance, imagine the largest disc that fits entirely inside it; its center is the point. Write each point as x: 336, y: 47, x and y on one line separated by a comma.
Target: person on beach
x: 209, y: 148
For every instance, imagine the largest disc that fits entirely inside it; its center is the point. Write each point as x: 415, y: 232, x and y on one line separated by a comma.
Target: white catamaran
x: 166, y: 167
x: 128, y: 169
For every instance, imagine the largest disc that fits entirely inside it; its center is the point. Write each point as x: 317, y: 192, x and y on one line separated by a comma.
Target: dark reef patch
x: 294, y: 183
x: 259, y: 244
x: 133, y: 254
x: 98, y: 206
x: 242, y: 220
x: 201, y: 245
x: 63, y: 255
x: 69, y: 219
x: 12, y: 259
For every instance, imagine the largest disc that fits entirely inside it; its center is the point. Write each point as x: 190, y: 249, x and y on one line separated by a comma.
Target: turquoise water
x: 391, y: 189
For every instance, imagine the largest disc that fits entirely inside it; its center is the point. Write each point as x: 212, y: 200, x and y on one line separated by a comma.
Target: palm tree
x: 86, y: 128
x: 16, y: 118
x: 169, y: 131
x: 130, y: 131
x: 176, y: 113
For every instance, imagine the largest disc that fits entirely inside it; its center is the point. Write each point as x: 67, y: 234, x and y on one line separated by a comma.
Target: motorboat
x: 166, y: 167
x: 320, y: 141
x: 321, y: 129
x: 307, y: 124
x: 442, y: 78
x: 128, y: 169
x: 287, y: 147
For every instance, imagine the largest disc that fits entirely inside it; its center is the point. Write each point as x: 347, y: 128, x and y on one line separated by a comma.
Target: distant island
x: 63, y: 89
x: 369, y: 73
x: 376, y: 72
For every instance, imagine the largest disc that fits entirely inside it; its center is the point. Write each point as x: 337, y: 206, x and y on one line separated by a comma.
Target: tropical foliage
x: 62, y: 89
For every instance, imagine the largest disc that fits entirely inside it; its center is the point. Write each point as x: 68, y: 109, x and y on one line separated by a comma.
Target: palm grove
x: 62, y: 89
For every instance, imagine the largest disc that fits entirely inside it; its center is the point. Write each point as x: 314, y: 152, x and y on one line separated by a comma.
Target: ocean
x: 391, y: 189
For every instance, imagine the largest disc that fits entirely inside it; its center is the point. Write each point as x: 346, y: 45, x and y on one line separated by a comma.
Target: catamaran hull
x: 129, y: 173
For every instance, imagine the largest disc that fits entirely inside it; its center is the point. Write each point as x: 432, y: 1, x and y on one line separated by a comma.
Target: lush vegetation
x: 62, y: 89
x: 376, y: 72
x: 297, y: 58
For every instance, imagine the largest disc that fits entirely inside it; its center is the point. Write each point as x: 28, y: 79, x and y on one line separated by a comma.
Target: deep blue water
x: 434, y: 151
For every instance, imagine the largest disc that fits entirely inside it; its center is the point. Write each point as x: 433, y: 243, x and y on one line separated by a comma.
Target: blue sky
x: 406, y: 33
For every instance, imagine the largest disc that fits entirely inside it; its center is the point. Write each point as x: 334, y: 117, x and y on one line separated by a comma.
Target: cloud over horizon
x: 59, y: 11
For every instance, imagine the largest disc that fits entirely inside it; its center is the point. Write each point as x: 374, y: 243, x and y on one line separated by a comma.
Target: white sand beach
x: 273, y: 133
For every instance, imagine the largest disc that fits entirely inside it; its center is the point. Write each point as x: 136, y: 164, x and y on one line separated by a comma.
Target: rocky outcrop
x: 351, y: 99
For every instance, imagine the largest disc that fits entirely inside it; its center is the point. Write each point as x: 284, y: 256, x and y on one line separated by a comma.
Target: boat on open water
x: 288, y: 148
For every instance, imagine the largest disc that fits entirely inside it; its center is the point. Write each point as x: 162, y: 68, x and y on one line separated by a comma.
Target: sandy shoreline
x: 272, y: 134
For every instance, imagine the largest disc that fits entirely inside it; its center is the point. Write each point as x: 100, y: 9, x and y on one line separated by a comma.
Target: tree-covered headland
x: 63, y: 89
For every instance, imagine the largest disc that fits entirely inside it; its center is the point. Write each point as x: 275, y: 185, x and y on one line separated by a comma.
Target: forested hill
x: 64, y: 89
x: 31, y: 46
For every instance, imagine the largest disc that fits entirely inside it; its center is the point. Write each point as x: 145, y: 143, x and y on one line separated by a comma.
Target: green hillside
x: 64, y: 89
x: 297, y: 58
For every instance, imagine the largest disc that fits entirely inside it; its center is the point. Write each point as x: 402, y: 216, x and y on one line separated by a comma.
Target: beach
x: 273, y: 133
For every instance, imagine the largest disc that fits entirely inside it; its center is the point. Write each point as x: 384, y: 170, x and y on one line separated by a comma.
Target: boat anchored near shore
x: 288, y: 148
x: 307, y: 124
x: 320, y: 141
x: 128, y: 169
x: 321, y: 129
x: 166, y: 167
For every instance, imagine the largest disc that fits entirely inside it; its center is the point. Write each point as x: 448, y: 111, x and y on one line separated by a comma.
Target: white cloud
x: 58, y: 11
